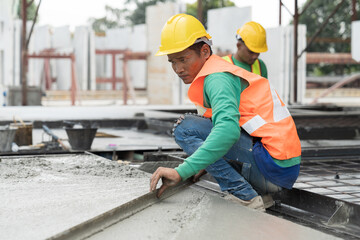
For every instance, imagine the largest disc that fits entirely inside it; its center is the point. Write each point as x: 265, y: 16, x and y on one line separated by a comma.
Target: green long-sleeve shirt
x: 221, y: 93
x: 247, y: 67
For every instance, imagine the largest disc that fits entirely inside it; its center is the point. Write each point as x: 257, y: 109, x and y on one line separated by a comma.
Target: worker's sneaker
x: 255, y: 203
x: 268, y: 201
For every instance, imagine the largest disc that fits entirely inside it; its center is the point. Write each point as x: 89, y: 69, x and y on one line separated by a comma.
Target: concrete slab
x: 127, y: 140
x: 329, y: 143
x: 32, y: 113
x: 196, y: 213
x: 355, y: 38
x: 44, y: 195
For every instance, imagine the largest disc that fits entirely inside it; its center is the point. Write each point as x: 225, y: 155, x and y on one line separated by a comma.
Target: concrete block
x: 222, y: 26
x: 275, y: 60
x: 34, y: 95
x: 62, y: 41
x: 92, y: 60
x: 279, y: 62
x: 7, y: 16
x: 40, y: 40
x: 138, y: 68
x: 163, y: 84
x: 17, y: 52
x: 81, y: 49
x: 355, y: 39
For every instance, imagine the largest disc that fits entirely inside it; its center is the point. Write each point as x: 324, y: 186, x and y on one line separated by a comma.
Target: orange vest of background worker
x: 251, y: 39
x: 257, y: 118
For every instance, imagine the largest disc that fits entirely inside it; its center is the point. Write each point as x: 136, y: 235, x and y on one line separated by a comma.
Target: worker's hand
x: 169, y: 176
x: 197, y: 176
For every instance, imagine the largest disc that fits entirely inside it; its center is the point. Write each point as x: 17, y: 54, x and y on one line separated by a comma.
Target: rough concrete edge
x: 105, y: 220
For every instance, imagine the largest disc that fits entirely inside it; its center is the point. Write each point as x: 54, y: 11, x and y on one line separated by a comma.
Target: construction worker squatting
x: 243, y: 135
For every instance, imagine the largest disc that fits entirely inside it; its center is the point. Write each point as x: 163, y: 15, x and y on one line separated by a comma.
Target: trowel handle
x: 56, y: 138
x: 48, y: 131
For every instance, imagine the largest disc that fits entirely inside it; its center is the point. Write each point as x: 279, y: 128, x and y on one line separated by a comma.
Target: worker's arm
x: 222, y: 91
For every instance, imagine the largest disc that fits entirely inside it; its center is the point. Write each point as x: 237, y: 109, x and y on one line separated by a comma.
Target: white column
x: 163, y: 84
x: 355, y: 40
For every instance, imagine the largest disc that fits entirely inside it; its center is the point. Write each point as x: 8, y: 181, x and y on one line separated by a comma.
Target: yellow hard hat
x: 180, y: 32
x: 254, y: 36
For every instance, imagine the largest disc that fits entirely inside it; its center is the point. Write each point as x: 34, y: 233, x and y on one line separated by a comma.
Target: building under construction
x: 81, y: 136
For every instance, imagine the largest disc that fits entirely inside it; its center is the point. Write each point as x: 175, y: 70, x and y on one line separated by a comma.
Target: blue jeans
x: 190, y: 135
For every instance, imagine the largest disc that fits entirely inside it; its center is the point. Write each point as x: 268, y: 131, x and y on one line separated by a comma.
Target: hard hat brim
x: 162, y: 53
x: 258, y: 50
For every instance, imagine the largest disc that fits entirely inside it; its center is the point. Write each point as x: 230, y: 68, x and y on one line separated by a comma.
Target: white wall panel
x: 138, y: 67
x: 81, y: 50
x: 279, y: 61
x: 7, y: 17
x: 164, y: 87
x: 40, y: 40
x: 222, y: 26
x: 92, y: 60
x: 355, y: 40
x: 275, y: 59
x: 62, y: 42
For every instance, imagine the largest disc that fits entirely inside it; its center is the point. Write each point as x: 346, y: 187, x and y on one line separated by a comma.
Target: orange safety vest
x: 262, y: 113
x: 255, y: 67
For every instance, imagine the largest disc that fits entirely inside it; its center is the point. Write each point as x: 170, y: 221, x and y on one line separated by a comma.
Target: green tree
x: 114, y: 18
x: 30, y: 12
x: 334, y: 37
x: 192, y: 8
x: 126, y: 17
x: 138, y: 16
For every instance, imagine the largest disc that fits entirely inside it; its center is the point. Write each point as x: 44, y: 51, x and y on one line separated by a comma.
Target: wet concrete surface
x: 44, y: 195
x: 196, y: 213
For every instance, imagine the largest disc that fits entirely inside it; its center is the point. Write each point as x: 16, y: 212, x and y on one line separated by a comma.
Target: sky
x: 77, y: 12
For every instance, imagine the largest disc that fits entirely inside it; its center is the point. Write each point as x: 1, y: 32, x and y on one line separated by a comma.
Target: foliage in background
x: 31, y: 11
x: 116, y: 18
x: 138, y: 16
x: 191, y: 8
x: 338, y: 29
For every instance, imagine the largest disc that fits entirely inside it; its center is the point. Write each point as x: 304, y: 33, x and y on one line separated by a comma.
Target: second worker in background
x: 251, y: 41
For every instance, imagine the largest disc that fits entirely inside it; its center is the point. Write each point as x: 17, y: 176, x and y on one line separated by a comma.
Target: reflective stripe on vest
x: 253, y: 124
x: 279, y: 113
x: 262, y: 115
x: 255, y: 67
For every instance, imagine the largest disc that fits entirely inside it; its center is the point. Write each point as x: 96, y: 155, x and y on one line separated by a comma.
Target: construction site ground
x: 89, y: 194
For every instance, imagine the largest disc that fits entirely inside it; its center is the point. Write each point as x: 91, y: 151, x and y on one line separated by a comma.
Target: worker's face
x: 244, y: 54
x: 187, y: 63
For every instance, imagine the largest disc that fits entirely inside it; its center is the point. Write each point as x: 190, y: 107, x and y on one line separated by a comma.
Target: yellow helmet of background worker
x: 254, y: 36
x: 180, y: 32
